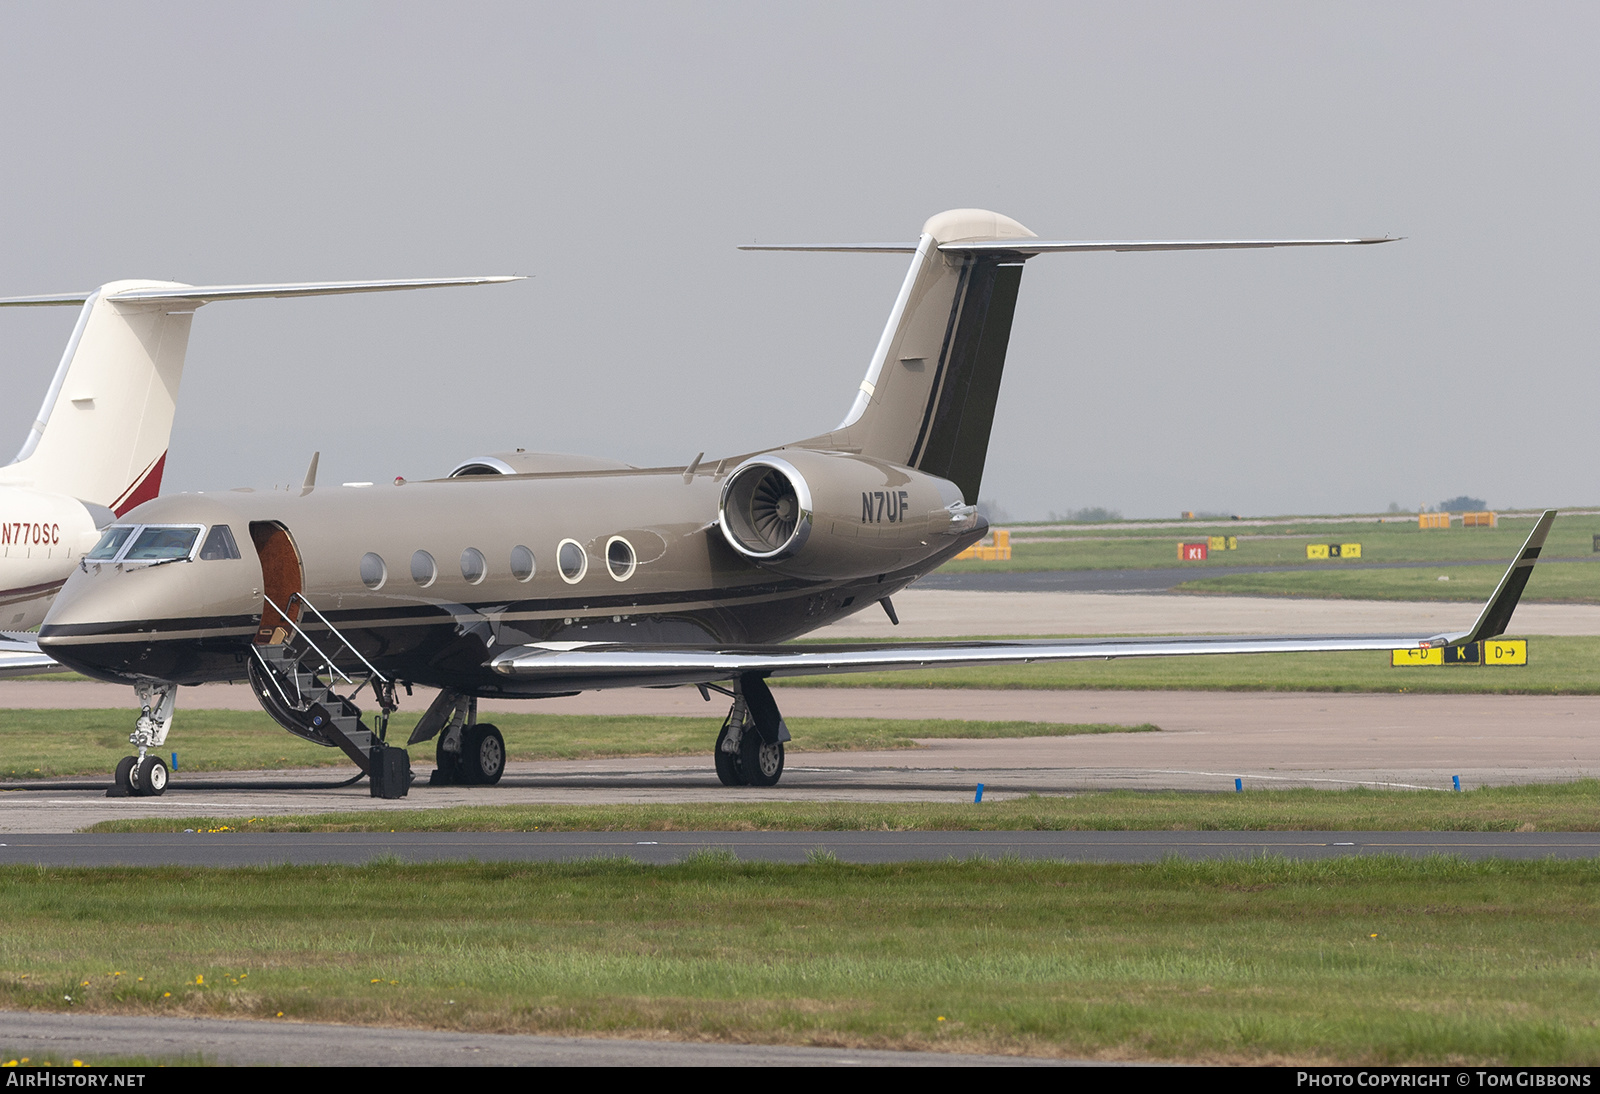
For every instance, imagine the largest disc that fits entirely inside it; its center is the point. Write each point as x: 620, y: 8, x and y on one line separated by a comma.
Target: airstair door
x: 282, y: 578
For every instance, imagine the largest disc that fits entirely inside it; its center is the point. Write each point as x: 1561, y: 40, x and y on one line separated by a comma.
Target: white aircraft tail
x: 101, y: 435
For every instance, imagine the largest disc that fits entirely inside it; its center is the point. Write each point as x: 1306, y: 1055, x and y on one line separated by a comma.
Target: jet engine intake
x: 815, y: 514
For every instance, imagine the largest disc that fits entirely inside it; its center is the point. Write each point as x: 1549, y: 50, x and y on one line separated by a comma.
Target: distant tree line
x: 1093, y: 514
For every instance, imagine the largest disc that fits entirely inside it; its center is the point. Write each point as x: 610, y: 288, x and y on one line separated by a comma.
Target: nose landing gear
x: 143, y: 775
x: 749, y: 750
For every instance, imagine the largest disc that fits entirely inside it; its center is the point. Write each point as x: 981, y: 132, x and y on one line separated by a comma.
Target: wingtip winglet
x: 1496, y: 614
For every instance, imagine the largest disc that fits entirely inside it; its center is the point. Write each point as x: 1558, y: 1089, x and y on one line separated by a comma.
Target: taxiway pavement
x: 1017, y: 608
x: 60, y: 1037
x: 1166, y: 578
x: 1207, y: 739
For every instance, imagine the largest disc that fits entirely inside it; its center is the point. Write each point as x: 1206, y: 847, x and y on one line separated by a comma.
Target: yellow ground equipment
x: 998, y: 551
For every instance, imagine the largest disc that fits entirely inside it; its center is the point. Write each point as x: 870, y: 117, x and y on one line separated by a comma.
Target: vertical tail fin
x: 101, y: 434
x: 929, y: 396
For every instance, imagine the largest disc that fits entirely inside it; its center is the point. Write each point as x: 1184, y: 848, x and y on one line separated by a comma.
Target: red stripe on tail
x: 146, y: 487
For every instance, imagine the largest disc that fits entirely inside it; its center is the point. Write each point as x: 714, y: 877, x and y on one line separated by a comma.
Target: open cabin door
x: 281, y: 578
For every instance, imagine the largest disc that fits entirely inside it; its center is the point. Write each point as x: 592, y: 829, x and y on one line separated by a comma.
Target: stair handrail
x: 326, y: 660
x: 335, y: 632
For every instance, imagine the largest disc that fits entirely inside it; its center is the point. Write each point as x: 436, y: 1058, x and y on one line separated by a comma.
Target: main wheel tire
x: 150, y: 777
x: 760, y: 763
x: 483, y: 755
x: 728, y: 772
x: 122, y: 778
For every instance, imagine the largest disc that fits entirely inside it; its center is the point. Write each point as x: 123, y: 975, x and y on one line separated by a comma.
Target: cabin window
x: 571, y: 561
x: 373, y: 572
x: 219, y: 544
x: 158, y: 544
x: 522, y: 564
x: 474, y: 568
x: 424, y: 571
x: 111, y: 542
x: 620, y: 559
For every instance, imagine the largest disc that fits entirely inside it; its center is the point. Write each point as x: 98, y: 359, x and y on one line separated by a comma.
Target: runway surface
x: 664, y: 848
x: 60, y: 1037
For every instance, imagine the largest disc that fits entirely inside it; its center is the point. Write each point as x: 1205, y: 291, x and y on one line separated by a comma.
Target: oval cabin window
x: 423, y: 569
x: 571, y: 561
x: 522, y: 563
x: 620, y: 559
x: 474, y: 568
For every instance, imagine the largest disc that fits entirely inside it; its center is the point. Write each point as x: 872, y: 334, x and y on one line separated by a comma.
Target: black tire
x: 445, y: 765
x: 483, y: 755
x: 122, y: 778
x: 149, y: 777
x: 728, y: 772
x: 760, y: 763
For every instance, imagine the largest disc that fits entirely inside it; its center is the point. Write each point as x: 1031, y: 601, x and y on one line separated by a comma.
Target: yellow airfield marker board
x: 1497, y: 651
x: 1503, y: 651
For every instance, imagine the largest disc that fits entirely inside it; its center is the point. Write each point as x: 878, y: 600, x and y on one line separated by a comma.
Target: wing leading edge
x: 602, y: 665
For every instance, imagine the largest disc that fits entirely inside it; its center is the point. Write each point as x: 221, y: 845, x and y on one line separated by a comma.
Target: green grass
x: 1284, y: 545
x: 39, y: 744
x: 1352, y: 960
x: 1556, y: 666
x: 1569, y: 582
x: 1569, y: 807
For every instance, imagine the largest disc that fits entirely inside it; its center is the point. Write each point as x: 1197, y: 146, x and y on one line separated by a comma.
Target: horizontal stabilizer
x: 1061, y: 246
x: 847, y: 248
x: 203, y: 294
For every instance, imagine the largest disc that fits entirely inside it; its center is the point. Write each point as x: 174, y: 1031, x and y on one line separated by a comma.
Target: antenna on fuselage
x: 311, y: 475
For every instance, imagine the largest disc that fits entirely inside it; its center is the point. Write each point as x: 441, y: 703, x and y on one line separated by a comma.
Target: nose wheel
x: 136, y: 778
x: 145, y: 775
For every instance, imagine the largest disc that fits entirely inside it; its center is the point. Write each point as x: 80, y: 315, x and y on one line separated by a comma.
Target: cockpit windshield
x: 158, y: 544
x: 111, y: 542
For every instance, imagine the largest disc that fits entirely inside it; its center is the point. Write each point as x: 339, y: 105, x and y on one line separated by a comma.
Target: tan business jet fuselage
x: 534, y: 575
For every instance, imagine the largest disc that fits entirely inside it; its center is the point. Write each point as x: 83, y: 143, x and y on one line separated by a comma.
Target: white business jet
x: 99, y: 444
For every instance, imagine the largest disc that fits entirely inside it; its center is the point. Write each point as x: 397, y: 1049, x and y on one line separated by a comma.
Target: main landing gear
x: 749, y: 750
x: 479, y: 759
x: 144, y: 775
x: 468, y: 752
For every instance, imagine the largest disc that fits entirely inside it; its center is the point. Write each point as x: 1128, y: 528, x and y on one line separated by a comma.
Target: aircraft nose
x: 187, y: 621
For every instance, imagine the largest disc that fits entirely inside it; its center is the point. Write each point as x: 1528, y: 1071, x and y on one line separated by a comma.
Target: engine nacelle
x: 816, y: 514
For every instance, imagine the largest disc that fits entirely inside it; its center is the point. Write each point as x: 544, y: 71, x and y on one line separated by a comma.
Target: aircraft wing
x: 20, y: 656
x: 570, y: 665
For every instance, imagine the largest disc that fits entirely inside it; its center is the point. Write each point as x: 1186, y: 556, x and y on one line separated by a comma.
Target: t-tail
x: 101, y: 434
x: 929, y: 396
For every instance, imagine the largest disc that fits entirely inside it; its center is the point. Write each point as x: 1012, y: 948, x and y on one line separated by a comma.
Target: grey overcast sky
x: 618, y: 153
